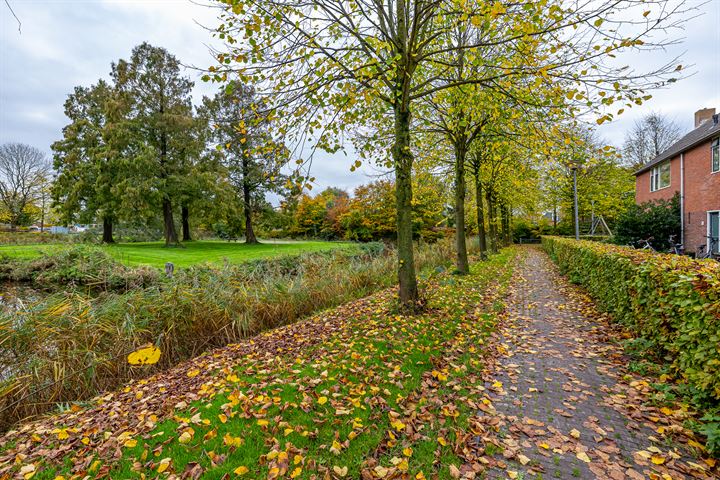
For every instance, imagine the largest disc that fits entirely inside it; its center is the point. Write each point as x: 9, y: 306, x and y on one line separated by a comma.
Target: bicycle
x: 645, y: 244
x: 676, y: 248
x: 708, y: 250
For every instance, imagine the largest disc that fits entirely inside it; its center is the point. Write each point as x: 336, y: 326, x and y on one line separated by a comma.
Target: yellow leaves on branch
x: 147, y: 355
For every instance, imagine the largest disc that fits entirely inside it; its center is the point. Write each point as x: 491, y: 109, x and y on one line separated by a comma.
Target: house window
x: 660, y: 176
x: 715, y: 149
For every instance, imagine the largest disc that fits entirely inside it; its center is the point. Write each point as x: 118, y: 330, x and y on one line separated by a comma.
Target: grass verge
x: 360, y: 391
x: 155, y: 254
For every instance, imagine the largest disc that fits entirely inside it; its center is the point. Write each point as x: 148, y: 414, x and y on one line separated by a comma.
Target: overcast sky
x: 65, y: 43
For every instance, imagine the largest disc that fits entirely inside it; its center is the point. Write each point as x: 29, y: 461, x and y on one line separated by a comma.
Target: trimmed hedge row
x: 671, y: 300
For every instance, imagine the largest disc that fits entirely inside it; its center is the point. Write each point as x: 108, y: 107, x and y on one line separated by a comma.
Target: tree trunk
x: 482, y: 241
x: 508, y: 219
x: 403, y: 159
x: 171, y: 237
x: 42, y: 214
x: 247, y: 203
x: 504, y: 224
x: 107, y: 236
x: 461, y: 260
x: 185, y: 214
x: 492, y: 216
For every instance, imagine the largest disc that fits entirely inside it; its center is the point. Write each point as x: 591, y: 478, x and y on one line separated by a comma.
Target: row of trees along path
x: 395, y: 77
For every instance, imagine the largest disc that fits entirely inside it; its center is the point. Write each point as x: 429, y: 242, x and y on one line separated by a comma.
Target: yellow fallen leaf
x: 231, y: 441
x: 408, y: 451
x: 164, y: 464
x: 574, y: 433
x: 523, y: 459
x: 262, y: 422
x: 657, y: 459
x: 398, y: 425
x: 583, y: 456
x: 186, y: 436
x: 420, y: 476
x: 696, y: 444
x: 130, y: 443
x: 193, y: 373
x: 322, y: 400
x: 147, y: 355
x: 241, y: 470
x: 336, y: 447
x: 442, y: 441
x: 381, y: 471
x: 27, y: 471
x: 340, y: 471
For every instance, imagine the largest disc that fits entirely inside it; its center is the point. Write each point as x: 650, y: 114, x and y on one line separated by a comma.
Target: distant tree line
x: 137, y: 151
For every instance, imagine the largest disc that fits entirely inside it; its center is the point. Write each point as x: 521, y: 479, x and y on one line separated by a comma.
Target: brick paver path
x: 566, y: 407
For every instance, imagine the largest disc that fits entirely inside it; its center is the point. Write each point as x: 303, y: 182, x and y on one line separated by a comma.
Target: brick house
x: 691, y: 166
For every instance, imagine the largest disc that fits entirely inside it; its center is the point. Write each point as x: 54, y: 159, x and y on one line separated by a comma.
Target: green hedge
x: 671, y: 300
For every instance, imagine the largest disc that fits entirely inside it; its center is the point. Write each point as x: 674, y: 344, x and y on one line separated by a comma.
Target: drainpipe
x: 682, y: 198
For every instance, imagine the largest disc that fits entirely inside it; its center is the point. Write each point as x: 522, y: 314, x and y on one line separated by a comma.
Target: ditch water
x: 16, y: 296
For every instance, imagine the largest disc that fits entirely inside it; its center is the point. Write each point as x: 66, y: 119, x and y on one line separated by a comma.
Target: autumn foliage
x: 671, y: 300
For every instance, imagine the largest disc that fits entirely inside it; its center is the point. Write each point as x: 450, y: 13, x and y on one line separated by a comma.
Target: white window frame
x: 715, y: 156
x: 655, y: 176
x: 707, y: 229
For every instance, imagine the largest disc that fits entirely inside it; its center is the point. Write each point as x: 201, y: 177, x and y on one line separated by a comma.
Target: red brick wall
x: 702, y: 194
x: 642, y: 184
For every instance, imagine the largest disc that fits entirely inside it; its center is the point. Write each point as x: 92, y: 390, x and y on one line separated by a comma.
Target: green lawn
x: 155, y: 254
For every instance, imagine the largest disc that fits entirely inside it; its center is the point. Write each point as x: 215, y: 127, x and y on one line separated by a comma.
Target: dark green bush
x: 658, y: 219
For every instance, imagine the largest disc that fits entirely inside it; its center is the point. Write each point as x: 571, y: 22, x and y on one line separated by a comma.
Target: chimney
x: 703, y: 115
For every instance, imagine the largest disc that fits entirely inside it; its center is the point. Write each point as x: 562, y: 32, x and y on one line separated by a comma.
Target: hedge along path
x: 673, y: 301
x: 358, y: 391
x: 563, y: 405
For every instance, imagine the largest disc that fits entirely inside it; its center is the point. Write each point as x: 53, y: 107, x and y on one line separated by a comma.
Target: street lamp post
x: 575, y: 203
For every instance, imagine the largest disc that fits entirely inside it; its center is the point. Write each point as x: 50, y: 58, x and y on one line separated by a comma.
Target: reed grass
x: 71, y: 346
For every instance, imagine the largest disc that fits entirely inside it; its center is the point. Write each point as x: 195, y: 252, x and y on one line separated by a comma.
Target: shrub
x: 672, y: 301
x: 658, y: 219
x: 35, y: 238
x: 78, y: 265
